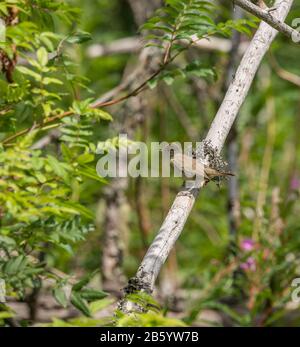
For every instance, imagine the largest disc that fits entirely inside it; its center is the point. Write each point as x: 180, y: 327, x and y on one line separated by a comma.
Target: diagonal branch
x: 175, y: 220
x: 267, y: 16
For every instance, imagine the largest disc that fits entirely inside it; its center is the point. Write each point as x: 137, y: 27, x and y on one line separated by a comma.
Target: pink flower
x: 295, y: 183
x: 247, y: 245
x: 249, y: 265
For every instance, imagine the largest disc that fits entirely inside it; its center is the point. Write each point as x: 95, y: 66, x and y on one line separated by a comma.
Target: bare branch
x: 267, y: 16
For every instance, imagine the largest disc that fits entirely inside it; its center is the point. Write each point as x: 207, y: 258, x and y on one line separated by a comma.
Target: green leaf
x: 99, y: 305
x: 84, y: 281
x: 24, y: 70
x: 60, y: 296
x: 67, y: 153
x: 76, y: 106
x: 85, y: 158
x: 83, y: 211
x: 168, y: 80
x: 15, y: 265
x: 79, y: 37
x: 42, y: 56
x: 92, y: 294
x: 51, y: 80
x: 4, y: 315
x: 7, y: 241
x: 90, y: 173
x: 103, y: 114
x: 57, y: 167
x: 80, y: 304
x: 153, y: 83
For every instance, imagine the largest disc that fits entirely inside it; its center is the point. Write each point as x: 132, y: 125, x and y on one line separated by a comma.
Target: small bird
x: 260, y: 3
x: 263, y: 6
x: 191, y: 167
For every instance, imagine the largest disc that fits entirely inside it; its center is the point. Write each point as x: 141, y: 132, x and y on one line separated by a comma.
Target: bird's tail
x: 227, y: 174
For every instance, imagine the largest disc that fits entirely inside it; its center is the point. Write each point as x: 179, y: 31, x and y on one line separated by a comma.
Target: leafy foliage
x: 188, y: 20
x: 48, y: 196
x: 39, y: 194
x: 149, y: 313
x: 180, y: 24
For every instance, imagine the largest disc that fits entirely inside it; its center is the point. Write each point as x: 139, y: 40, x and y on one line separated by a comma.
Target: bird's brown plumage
x: 191, y: 167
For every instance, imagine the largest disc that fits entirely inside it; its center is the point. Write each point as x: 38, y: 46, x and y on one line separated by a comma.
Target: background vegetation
x: 69, y: 239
